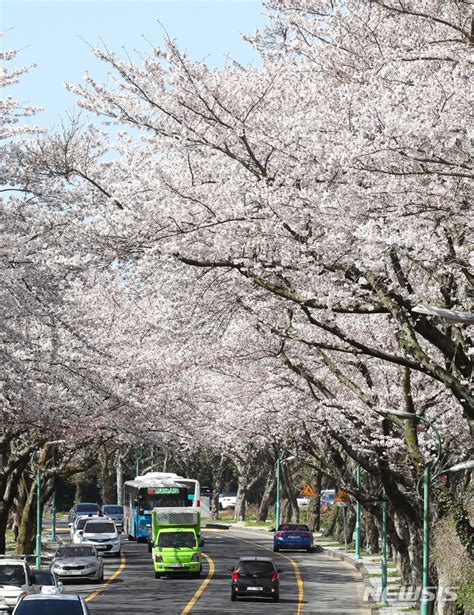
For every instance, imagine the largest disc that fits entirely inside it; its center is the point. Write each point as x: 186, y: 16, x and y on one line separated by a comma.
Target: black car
x: 84, y: 509
x: 255, y: 576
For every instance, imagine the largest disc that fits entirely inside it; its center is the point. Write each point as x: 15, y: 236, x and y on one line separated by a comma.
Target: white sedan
x: 103, y: 534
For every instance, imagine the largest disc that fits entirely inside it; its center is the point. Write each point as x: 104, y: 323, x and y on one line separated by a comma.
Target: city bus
x: 155, y: 490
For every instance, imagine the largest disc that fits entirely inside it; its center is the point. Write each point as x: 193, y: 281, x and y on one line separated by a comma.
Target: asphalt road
x: 310, y: 583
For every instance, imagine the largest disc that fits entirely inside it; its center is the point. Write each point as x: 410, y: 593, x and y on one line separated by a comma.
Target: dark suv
x: 84, y: 509
x: 255, y: 576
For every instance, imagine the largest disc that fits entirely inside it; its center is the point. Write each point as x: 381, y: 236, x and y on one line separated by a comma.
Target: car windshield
x: 44, y: 577
x: 78, y: 551
x: 98, y: 527
x: 81, y: 508
x: 177, y: 539
x: 12, y: 575
x: 49, y: 607
x: 259, y: 569
x: 293, y: 527
x: 113, y: 510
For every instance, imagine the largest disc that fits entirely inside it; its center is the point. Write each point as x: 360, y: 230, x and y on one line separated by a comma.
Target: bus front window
x: 147, y: 502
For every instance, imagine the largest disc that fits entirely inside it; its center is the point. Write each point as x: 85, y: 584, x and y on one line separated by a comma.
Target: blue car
x: 293, y: 536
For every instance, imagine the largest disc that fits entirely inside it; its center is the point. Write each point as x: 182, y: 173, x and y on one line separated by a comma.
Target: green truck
x: 176, y: 536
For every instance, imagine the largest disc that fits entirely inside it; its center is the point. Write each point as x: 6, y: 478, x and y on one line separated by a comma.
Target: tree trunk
x: 314, y: 506
x: 4, y: 516
x: 289, y: 505
x: 119, y: 479
x: 268, y: 497
x: 27, y: 533
x: 371, y: 534
x: 241, y: 503
x: 331, y: 526
x: 107, y: 479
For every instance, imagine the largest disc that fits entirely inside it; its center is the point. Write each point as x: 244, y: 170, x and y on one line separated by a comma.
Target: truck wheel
x: 157, y: 575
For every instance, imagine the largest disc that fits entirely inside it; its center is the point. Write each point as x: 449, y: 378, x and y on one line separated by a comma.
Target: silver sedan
x: 78, y: 562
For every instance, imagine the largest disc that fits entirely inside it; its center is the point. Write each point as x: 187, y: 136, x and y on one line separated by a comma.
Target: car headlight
x: 196, y: 557
x: 56, y: 565
x: 90, y: 565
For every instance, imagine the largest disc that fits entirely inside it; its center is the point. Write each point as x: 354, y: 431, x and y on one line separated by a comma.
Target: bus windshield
x: 149, y: 499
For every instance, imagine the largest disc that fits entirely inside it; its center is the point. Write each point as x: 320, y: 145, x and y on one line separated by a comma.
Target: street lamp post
x: 357, y: 525
x: 425, y: 594
x: 53, y: 515
x: 383, y: 575
x: 280, y: 460
x: 37, y: 473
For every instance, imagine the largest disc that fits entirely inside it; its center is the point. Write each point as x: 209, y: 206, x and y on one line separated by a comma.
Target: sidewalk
x: 370, y: 568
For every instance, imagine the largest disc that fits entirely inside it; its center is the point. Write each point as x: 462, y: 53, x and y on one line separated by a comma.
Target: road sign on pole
x: 308, y: 492
x: 342, y: 498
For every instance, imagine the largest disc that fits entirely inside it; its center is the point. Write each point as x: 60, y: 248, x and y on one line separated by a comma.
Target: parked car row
x: 94, y: 533
x: 27, y: 591
x: 92, y: 509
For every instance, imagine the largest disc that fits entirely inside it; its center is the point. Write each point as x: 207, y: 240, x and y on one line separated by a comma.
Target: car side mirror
x: 70, y: 524
x: 80, y: 532
x: 231, y: 569
x: 273, y: 529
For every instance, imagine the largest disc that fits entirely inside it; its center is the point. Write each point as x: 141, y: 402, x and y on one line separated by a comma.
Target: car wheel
x: 101, y: 578
x: 157, y: 575
x: 276, y: 549
x: 310, y: 549
x: 276, y: 597
x: 233, y: 597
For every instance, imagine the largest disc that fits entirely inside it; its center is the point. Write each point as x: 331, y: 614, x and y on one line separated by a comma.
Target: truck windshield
x: 12, y: 575
x: 177, y: 539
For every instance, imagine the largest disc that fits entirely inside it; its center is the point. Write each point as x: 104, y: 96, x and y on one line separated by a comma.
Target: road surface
x: 310, y: 582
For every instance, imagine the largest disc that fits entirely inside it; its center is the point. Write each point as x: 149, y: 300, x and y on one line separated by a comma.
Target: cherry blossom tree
x: 305, y: 209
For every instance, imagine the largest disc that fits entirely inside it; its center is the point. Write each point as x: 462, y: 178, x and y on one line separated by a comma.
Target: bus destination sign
x: 163, y: 490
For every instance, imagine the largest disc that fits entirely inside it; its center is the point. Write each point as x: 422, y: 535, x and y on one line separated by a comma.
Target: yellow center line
x: 299, y: 580
x: 109, y: 580
x: 202, y: 587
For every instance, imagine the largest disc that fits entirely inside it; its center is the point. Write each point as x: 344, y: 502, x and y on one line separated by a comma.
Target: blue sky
x: 52, y: 34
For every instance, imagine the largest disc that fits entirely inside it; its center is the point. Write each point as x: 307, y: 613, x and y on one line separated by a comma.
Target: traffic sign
x: 342, y: 498
x: 308, y: 492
